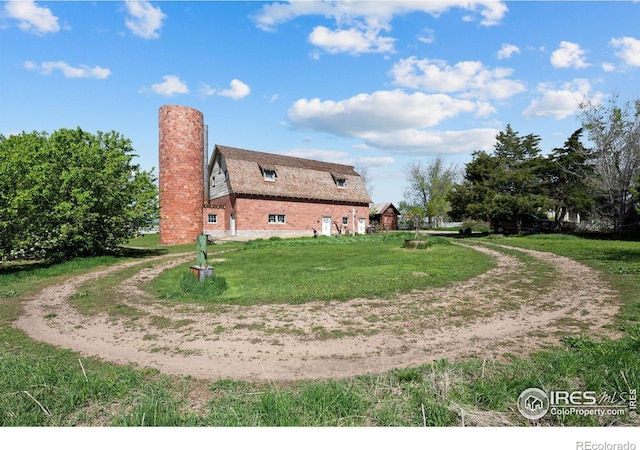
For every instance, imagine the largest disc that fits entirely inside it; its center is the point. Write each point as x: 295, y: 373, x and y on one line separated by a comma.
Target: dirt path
x: 505, y: 310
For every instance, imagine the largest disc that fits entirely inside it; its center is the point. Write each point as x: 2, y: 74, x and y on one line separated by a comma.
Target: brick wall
x: 252, y: 217
x: 181, y: 152
x: 389, y: 221
x: 215, y: 229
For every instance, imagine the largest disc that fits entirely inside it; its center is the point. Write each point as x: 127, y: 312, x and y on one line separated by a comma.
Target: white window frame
x: 341, y: 183
x: 277, y: 219
x: 212, y: 216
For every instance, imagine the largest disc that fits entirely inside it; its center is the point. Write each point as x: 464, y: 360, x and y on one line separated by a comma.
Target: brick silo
x: 181, y: 171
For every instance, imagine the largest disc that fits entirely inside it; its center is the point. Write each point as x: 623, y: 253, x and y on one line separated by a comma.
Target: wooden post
x: 201, y: 251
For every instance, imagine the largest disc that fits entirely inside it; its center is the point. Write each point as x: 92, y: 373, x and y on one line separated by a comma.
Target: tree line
x: 71, y: 193
x: 600, y: 182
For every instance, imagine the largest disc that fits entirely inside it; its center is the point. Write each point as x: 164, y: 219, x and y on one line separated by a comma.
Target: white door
x: 326, y: 226
x: 362, y: 225
x: 232, y: 224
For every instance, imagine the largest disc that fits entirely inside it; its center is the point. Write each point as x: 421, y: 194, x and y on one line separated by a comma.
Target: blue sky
x: 372, y: 84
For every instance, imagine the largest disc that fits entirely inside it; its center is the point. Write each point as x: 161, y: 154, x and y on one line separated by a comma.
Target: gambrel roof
x: 295, y: 178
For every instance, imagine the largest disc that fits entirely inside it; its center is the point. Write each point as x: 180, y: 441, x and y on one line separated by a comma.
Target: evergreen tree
x: 503, y: 185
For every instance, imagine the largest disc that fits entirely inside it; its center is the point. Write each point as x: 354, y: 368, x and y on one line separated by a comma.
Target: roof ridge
x: 282, y: 160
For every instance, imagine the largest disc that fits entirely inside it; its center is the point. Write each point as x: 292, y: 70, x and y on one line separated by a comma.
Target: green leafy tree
x: 636, y: 193
x: 614, y: 130
x: 72, y: 193
x: 19, y: 193
x: 428, y: 190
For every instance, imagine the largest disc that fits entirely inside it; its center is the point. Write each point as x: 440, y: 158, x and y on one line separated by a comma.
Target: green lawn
x: 44, y: 386
x: 302, y: 270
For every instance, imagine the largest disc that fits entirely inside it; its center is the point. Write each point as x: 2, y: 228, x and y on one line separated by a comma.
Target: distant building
x: 384, y: 216
x: 246, y: 193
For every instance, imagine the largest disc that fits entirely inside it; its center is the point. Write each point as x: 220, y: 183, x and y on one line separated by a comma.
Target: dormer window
x: 268, y: 173
x: 340, y: 180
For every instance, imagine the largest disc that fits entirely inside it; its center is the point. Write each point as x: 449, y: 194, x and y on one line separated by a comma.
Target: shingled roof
x: 381, y: 208
x: 296, y: 178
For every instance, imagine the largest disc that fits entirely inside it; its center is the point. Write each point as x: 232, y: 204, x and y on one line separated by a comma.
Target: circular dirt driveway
x: 504, y: 310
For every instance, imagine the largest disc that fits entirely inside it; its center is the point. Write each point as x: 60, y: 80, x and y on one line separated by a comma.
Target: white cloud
x: 351, y: 40
x: 144, y: 19
x: 359, y: 24
x: 608, y: 67
x: 470, y: 78
x: 82, y: 71
x: 492, y: 12
x: 339, y: 157
x: 395, y: 121
x: 562, y: 102
x: 507, y: 51
x: 170, y: 86
x: 629, y: 50
x: 433, y: 142
x: 206, y: 90
x: 237, y: 90
x: 375, y: 161
x: 272, y: 98
x: 317, y: 154
x: 383, y: 111
x: 31, y: 17
x: 274, y: 14
x: 427, y: 36
x: 569, y: 54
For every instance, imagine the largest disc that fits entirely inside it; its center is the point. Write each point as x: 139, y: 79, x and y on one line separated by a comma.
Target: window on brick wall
x: 212, y: 218
x: 277, y: 218
x: 345, y: 220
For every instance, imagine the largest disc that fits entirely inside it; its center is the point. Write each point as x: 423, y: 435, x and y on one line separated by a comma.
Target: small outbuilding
x: 384, y: 216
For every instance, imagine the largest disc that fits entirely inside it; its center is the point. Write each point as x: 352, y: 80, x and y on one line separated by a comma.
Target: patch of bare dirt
x: 508, y: 309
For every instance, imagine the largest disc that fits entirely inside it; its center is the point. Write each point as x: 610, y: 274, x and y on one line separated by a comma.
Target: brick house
x: 256, y: 194
x: 384, y: 216
x: 248, y: 194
